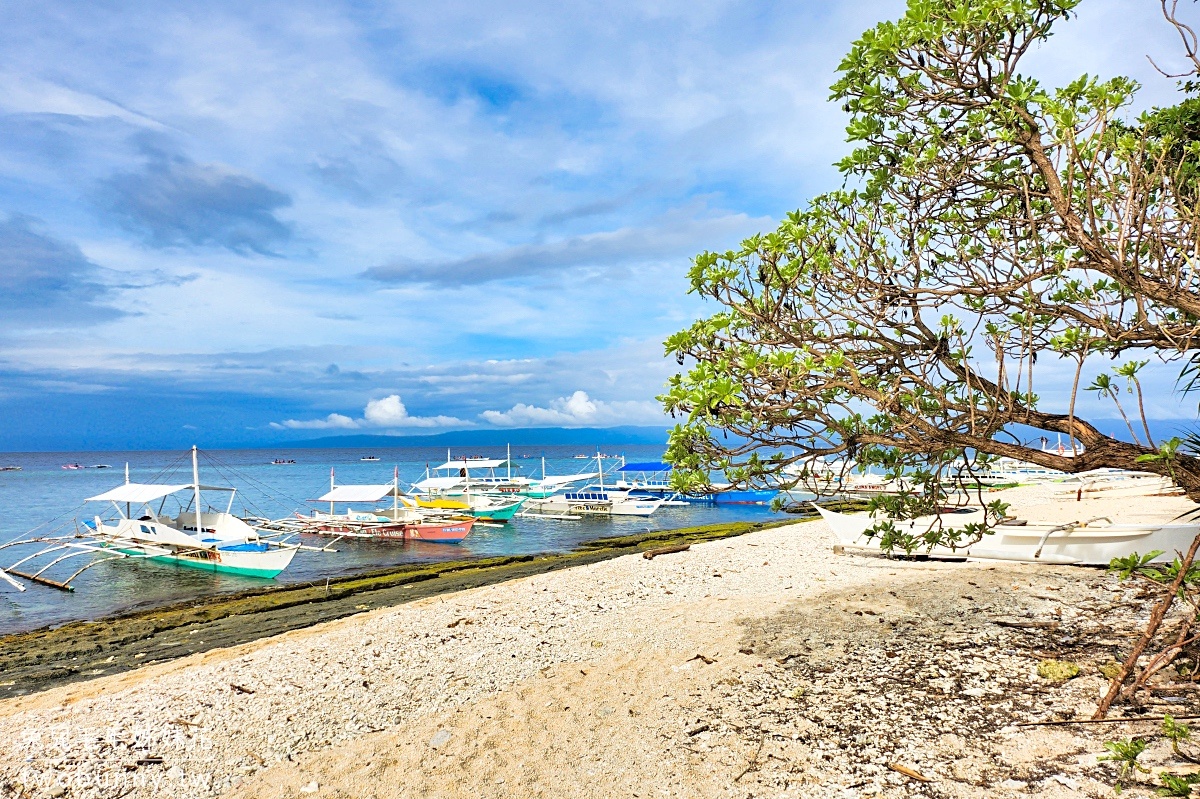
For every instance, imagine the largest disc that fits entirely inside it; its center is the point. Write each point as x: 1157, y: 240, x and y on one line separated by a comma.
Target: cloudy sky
x: 249, y: 222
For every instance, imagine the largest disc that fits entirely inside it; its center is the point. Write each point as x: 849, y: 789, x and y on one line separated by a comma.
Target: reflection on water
x: 43, y: 491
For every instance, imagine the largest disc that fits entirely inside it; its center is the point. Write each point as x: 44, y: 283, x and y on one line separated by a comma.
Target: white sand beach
x: 763, y: 665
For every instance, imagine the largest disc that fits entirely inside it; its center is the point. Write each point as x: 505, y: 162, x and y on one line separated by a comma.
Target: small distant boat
x: 368, y: 458
x: 100, y: 466
x: 72, y: 466
x: 10, y: 468
x: 283, y: 462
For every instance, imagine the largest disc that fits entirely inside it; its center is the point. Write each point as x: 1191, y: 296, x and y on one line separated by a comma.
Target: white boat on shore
x: 1088, y: 543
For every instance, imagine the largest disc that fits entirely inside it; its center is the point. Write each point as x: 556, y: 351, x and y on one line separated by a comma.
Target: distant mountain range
x: 527, y: 436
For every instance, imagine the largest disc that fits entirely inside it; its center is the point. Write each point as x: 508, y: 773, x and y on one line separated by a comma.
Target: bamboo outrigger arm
x: 8, y: 579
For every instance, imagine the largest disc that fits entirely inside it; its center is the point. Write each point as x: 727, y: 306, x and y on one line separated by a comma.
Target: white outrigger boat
x: 1085, y: 543
x: 404, y: 521
x: 597, y: 500
x: 144, y: 529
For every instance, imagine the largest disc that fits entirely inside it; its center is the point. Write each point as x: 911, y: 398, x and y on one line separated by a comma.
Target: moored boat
x: 654, y: 478
x: 597, y: 500
x: 142, y: 528
x: 403, y: 521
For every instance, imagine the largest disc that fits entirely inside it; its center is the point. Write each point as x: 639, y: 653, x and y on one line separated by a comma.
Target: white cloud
x: 331, y: 422
x: 388, y: 412
x: 577, y: 410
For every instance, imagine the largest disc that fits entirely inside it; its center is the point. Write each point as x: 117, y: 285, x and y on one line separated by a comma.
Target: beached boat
x: 143, y: 528
x: 1087, y: 543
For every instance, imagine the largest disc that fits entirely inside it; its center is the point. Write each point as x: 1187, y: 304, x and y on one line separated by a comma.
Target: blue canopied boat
x: 654, y: 477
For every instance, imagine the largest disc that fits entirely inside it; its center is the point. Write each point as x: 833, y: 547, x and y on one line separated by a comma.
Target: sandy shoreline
x: 49, y: 657
x: 762, y: 665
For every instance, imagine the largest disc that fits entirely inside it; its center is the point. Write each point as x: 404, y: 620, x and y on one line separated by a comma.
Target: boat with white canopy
x: 404, y: 521
x: 163, y: 523
x: 597, y: 500
x: 485, y: 495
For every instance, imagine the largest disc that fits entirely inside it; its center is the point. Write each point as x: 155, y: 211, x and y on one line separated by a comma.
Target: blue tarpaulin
x: 650, y: 466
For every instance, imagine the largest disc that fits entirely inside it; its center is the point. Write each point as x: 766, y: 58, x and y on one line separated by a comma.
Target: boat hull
x: 597, y: 507
x: 267, y: 564
x: 1085, y: 545
x: 742, y: 497
x: 449, y: 532
x: 495, y: 513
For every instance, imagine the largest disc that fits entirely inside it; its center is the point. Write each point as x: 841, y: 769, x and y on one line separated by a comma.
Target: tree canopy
x: 990, y: 229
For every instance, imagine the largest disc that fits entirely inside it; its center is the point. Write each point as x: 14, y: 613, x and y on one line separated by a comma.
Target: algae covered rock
x: 1057, y: 670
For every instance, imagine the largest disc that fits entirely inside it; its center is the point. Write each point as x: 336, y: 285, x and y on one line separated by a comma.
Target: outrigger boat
x: 597, y: 500
x: 487, y: 496
x: 653, y: 477
x: 403, y: 521
x: 1088, y: 543
x: 143, y: 529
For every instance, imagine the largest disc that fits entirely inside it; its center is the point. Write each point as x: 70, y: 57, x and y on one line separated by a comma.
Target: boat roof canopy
x: 438, y: 483
x: 475, y: 463
x: 143, y: 492
x: 647, y: 466
x: 359, y: 493
x: 564, y: 479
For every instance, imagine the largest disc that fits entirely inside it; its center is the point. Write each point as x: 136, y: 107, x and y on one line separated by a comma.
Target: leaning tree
x: 991, y: 230
x: 994, y: 236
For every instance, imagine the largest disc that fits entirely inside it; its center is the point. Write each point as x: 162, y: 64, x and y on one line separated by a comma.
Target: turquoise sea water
x: 43, y: 491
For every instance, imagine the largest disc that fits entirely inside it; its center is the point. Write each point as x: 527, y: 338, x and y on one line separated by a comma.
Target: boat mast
x: 396, y: 493
x: 508, y: 476
x: 331, y: 487
x: 600, y: 466
x: 127, y: 508
x: 196, y: 493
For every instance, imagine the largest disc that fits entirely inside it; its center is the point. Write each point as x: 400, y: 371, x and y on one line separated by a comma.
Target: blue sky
x: 238, y: 223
